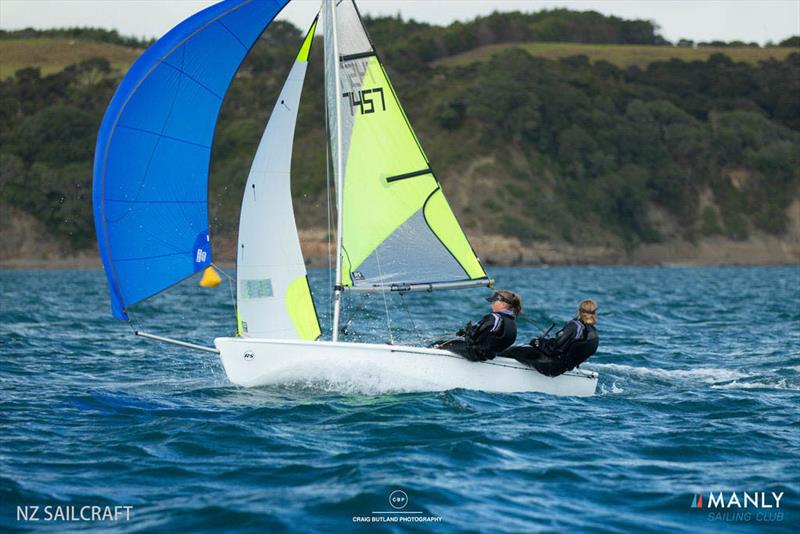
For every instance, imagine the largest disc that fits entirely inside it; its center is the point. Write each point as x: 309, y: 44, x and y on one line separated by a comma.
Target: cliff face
x: 27, y: 244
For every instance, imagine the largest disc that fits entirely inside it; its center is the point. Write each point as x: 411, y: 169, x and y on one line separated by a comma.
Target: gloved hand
x: 536, y: 342
x: 466, y: 330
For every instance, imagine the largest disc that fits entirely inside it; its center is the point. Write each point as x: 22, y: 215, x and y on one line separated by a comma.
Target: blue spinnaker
x: 153, y: 150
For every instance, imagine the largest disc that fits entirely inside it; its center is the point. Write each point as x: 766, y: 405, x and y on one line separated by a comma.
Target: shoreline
x: 500, y: 251
x: 70, y: 265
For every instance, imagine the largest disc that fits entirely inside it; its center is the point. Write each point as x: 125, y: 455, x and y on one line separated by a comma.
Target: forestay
x: 398, y: 230
x: 150, y: 191
x: 273, y: 298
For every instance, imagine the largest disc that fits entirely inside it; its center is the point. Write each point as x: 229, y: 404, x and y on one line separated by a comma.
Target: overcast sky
x: 699, y: 20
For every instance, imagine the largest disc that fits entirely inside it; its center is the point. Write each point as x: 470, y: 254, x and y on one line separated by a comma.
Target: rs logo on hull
x: 249, y: 355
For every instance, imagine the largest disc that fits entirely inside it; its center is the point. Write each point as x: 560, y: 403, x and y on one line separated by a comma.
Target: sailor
x: 571, y: 346
x: 494, y: 333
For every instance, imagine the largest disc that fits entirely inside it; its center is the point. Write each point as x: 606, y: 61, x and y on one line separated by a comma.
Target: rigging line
x: 132, y: 322
x: 230, y: 288
x: 233, y: 303
x: 410, y: 317
x: 535, y: 324
x: 427, y: 340
x: 355, y: 312
x: 219, y: 270
x: 383, y: 293
x: 328, y: 206
x: 231, y: 281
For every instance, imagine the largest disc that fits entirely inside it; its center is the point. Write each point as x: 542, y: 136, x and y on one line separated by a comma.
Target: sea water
x: 699, y: 395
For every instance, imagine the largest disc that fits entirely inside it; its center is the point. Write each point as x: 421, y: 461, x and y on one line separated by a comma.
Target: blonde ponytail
x: 587, y: 312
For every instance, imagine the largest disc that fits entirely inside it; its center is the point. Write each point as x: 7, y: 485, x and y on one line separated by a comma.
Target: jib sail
x: 273, y: 295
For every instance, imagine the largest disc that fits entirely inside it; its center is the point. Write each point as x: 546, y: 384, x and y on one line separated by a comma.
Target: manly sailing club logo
x: 742, y: 506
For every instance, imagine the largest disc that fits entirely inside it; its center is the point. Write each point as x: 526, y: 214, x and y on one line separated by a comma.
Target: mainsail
x: 273, y: 297
x: 150, y: 190
x: 397, y: 229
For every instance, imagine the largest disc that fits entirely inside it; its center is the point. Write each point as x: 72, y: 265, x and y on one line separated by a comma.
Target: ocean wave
x: 120, y: 421
x: 614, y: 389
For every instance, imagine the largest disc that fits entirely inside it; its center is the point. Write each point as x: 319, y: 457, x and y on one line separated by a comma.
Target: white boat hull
x: 253, y: 362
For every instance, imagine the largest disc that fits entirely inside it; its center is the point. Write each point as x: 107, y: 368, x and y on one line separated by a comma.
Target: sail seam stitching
x: 156, y: 201
x: 188, y: 76
x: 114, y: 125
x: 233, y: 34
x: 164, y: 136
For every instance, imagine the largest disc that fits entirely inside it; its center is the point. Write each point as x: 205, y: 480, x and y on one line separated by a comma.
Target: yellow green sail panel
x: 397, y: 227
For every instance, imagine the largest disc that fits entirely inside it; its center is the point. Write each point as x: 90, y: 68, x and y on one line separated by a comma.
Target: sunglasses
x: 499, y: 298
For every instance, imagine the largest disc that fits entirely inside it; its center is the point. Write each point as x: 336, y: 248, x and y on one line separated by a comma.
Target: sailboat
x: 395, y: 232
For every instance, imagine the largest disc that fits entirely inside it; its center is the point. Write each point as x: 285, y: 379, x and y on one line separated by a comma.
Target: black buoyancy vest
x: 580, y: 349
x: 571, y: 353
x: 491, y: 342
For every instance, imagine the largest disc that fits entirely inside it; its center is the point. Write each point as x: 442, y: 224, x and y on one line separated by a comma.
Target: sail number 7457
x: 363, y: 101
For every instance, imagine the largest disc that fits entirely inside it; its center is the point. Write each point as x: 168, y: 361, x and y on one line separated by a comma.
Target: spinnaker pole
x: 338, y: 289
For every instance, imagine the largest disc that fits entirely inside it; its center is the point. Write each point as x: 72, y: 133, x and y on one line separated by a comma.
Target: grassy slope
x: 620, y: 55
x: 53, y: 54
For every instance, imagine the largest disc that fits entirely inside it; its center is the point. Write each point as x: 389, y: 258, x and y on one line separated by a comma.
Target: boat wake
x: 782, y: 383
x: 614, y: 389
x: 718, y: 378
x: 709, y: 375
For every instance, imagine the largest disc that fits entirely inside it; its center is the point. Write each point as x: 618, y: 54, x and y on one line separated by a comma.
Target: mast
x: 338, y: 288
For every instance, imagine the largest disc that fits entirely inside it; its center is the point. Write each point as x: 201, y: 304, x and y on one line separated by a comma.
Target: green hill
x: 621, y: 55
x: 615, y: 140
x: 53, y: 54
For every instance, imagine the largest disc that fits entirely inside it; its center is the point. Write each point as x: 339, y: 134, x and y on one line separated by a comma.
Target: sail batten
x: 396, y: 226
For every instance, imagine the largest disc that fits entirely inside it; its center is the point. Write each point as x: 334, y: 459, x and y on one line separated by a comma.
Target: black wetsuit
x: 493, y: 333
x: 571, y: 346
